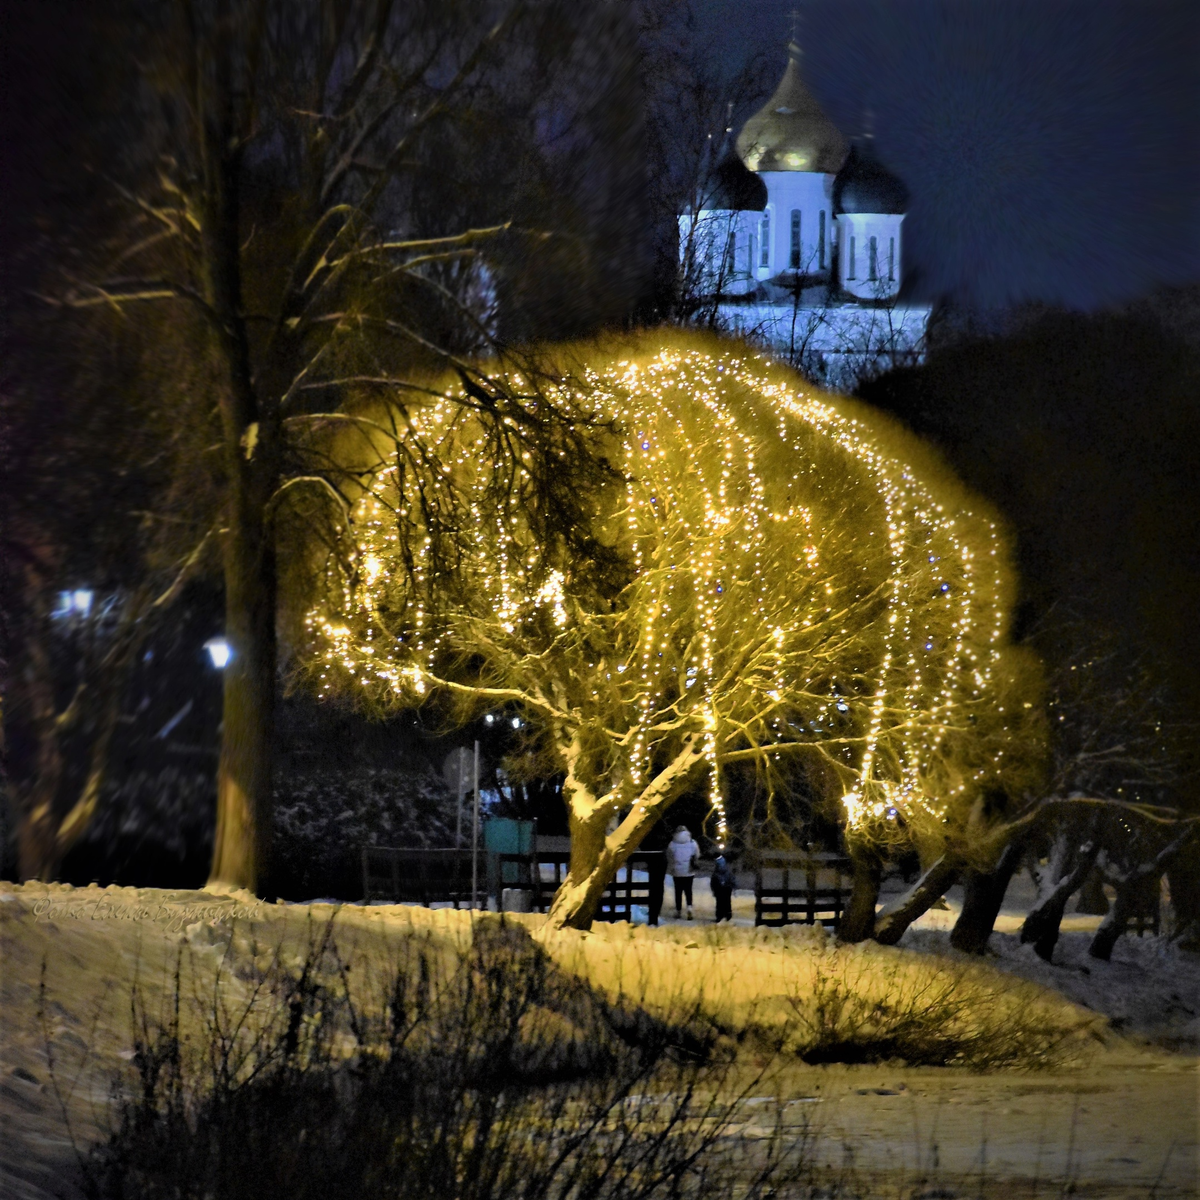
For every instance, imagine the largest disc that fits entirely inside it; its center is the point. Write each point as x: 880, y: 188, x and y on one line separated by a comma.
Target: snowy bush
x: 155, y: 828
x: 488, y: 1077
x: 324, y: 818
x: 791, y: 989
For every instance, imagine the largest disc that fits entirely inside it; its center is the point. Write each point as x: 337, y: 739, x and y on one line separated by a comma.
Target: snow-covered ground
x: 1125, y: 1124
x: 1150, y: 989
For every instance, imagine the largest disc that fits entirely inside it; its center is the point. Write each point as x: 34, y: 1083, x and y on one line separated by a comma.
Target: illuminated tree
x: 779, y: 577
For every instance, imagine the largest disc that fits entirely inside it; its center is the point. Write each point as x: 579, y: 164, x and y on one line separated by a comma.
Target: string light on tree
x: 792, y: 583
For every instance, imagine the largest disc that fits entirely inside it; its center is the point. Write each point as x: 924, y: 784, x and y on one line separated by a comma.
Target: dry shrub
x: 794, y: 990
x: 487, y: 1075
x: 943, y: 1014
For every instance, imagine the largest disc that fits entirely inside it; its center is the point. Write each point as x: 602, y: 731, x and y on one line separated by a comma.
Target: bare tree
x: 1114, y: 759
x: 1136, y: 871
x: 1073, y: 846
x: 306, y: 194
x: 693, y: 104
x: 93, y: 559
x: 58, y: 797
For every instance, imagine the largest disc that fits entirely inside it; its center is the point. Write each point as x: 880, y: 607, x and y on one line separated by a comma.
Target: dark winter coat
x: 722, y: 877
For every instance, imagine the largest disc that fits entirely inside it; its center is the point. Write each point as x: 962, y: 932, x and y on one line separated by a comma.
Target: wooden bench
x: 623, y: 894
x: 406, y: 876
x: 801, y: 887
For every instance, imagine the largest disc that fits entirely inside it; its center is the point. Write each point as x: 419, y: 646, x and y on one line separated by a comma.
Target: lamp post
x: 462, y: 787
x: 475, y: 838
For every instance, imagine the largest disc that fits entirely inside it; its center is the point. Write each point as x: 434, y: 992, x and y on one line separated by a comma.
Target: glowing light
x: 219, y: 652
x: 782, y: 557
x: 75, y: 603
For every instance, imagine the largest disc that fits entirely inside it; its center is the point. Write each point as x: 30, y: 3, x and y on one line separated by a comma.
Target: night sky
x: 1052, y: 149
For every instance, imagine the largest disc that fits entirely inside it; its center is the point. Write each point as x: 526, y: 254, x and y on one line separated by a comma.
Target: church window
x: 795, y: 256
x: 727, y: 267
x: 873, y: 259
x: 891, y: 259
x: 750, y: 248
x: 766, y: 239
x: 821, y: 240
x: 850, y: 272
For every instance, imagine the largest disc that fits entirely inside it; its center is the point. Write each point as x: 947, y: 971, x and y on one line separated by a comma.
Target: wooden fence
x: 444, y: 876
x: 420, y: 876
x: 542, y: 873
x: 801, y: 887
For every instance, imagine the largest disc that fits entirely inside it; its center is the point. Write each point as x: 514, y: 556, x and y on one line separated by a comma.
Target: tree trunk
x: 1183, y: 875
x: 242, y: 843
x: 1139, y: 886
x: 44, y: 835
x: 1092, y: 900
x: 1130, y: 889
x: 596, y: 856
x: 1113, y: 925
x: 251, y: 434
x: 1042, y: 924
x: 75, y: 824
x: 35, y: 824
x: 983, y: 894
x: 858, y: 921
x: 592, y: 868
x: 898, y: 916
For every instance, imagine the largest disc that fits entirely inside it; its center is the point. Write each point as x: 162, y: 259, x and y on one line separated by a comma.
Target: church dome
x: 865, y: 185
x: 731, y: 186
x: 790, y: 132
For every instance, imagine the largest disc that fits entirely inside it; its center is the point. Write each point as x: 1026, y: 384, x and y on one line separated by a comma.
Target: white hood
x: 682, y: 837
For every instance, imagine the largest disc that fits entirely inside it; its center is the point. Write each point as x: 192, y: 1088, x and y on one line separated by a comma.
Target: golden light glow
x: 796, y: 587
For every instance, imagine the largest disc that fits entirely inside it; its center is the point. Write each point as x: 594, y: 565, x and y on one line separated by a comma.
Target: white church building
x: 795, y: 241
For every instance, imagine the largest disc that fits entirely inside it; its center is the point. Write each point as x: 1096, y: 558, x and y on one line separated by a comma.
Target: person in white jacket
x: 682, y: 853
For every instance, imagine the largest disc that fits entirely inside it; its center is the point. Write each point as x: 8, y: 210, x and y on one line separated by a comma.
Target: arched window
x: 727, y: 267
x: 765, y: 260
x: 850, y: 272
x: 872, y: 259
x: 795, y: 255
x: 821, y: 239
x: 891, y: 259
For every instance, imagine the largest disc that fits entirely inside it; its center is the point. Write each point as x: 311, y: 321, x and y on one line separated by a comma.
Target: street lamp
x: 219, y: 652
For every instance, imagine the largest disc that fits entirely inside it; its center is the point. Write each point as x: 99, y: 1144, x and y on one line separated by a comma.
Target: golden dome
x: 790, y: 132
